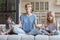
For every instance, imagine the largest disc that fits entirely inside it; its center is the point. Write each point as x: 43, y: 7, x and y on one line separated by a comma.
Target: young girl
x: 9, y: 26
x: 52, y: 24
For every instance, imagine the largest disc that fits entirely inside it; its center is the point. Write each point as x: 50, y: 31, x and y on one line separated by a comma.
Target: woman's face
x: 28, y: 8
x: 50, y: 17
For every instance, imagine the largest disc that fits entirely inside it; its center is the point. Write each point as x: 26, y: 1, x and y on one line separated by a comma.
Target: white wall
x: 53, y: 7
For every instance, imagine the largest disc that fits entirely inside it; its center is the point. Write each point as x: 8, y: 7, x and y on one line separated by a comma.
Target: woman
x: 28, y: 21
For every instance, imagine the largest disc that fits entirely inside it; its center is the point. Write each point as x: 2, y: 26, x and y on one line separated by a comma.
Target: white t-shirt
x: 51, y: 27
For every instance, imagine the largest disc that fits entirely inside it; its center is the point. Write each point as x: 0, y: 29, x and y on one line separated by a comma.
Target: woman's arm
x: 19, y: 24
x: 36, y: 25
x: 40, y: 27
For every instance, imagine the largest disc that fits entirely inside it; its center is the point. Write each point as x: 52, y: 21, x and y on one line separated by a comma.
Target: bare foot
x: 50, y: 34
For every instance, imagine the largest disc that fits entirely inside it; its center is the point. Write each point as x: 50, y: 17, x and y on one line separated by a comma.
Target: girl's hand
x: 42, y: 27
x: 2, y: 33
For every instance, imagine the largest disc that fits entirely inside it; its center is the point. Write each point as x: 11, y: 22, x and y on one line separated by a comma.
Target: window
x: 32, y: 6
x: 40, y: 9
x: 37, y: 6
x: 57, y: 2
x: 40, y: 6
x: 44, y: 6
x: 9, y: 7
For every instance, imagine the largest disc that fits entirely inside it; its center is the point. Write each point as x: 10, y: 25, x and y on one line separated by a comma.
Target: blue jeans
x: 35, y: 31
x: 55, y: 32
x: 18, y: 30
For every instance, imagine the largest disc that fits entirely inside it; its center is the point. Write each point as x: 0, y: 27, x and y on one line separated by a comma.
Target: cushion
x: 3, y: 37
x: 14, y: 37
x: 41, y: 37
x: 55, y: 37
x: 27, y: 37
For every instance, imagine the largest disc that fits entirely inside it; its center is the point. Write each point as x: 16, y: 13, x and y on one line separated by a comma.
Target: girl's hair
x: 7, y: 16
x: 53, y: 19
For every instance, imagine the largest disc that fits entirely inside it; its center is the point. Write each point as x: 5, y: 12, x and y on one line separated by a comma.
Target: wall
x: 52, y: 5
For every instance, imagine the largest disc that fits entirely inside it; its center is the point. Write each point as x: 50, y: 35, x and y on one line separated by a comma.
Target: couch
x: 29, y: 37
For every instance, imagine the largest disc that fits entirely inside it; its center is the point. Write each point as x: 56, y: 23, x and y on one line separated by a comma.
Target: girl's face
x: 50, y: 17
x: 28, y: 8
x: 8, y: 20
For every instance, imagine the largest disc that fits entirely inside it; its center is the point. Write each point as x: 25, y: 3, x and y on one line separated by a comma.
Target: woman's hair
x: 27, y: 4
x: 53, y: 17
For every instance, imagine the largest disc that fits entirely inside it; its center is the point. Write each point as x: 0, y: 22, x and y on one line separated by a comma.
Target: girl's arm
x: 57, y: 25
x: 10, y: 29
